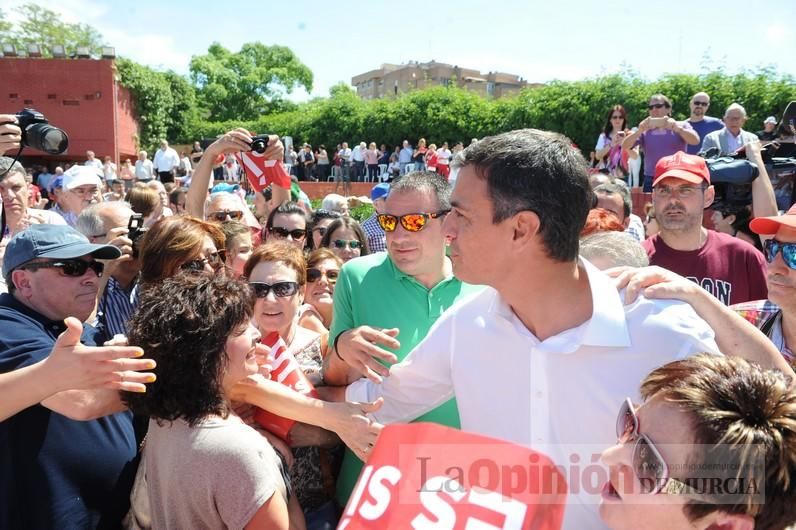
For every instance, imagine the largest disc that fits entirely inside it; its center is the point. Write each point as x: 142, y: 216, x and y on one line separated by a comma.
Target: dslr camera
x: 135, y: 230
x: 260, y: 143
x: 39, y: 134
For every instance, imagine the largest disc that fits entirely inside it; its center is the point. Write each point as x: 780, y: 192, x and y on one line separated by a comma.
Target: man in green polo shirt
x: 392, y: 299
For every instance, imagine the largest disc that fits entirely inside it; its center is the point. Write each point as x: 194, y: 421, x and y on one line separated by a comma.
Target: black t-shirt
x: 56, y: 472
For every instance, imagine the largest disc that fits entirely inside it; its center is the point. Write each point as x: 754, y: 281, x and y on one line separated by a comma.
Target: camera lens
x: 258, y: 146
x: 47, y: 138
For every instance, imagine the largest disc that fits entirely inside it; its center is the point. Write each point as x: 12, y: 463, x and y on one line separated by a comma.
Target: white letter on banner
x: 446, y: 516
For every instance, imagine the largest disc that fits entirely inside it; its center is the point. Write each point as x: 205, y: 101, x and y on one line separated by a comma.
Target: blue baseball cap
x: 225, y: 187
x: 380, y: 191
x: 54, y: 242
x: 57, y: 182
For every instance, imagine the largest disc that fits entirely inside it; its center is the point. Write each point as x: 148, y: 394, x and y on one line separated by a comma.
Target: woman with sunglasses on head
x: 712, y: 445
x: 321, y: 219
x: 277, y: 274
x: 204, y: 467
x: 323, y: 268
x: 180, y: 243
x: 608, y: 150
x: 287, y: 222
x: 346, y: 239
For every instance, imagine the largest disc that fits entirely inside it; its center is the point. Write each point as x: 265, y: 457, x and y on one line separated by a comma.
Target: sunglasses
x: 282, y: 233
x: 215, y: 260
x: 313, y: 275
x: 223, y: 215
x: 320, y: 229
x: 412, y: 222
x: 657, y: 106
x: 617, y: 117
x: 281, y: 289
x: 648, y: 463
x: 700, y: 103
x: 774, y: 247
x: 73, y: 268
x: 353, y: 244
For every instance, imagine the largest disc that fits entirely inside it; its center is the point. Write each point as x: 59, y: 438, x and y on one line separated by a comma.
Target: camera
x: 260, y: 143
x: 135, y: 229
x: 39, y: 134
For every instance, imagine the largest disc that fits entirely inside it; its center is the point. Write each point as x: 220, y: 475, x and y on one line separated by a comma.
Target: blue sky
x: 541, y: 41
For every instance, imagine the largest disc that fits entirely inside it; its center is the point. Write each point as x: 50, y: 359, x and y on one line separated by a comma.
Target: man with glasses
x: 700, y: 121
x: 385, y: 303
x: 659, y: 135
x: 731, y: 137
x: 68, y: 461
x: 81, y: 187
x: 730, y: 269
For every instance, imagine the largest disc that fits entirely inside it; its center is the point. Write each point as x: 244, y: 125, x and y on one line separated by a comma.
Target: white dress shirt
x: 166, y: 160
x: 559, y: 396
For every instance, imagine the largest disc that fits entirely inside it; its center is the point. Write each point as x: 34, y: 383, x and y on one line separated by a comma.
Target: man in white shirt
x: 345, y: 156
x: 91, y: 161
x: 545, y: 356
x: 166, y: 162
x: 144, y: 170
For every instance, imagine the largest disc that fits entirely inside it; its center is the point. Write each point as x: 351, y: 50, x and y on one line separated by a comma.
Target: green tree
x: 249, y: 83
x: 44, y: 27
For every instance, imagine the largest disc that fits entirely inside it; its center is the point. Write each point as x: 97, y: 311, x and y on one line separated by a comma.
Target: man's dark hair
x: 425, y: 180
x: 614, y: 188
x: 183, y: 325
x: 319, y: 215
x: 537, y: 171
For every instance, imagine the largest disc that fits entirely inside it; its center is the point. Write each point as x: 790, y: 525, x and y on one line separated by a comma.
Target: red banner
x: 261, y: 171
x: 285, y: 369
x: 423, y: 475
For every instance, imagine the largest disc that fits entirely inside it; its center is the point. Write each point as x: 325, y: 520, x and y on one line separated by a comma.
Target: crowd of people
x: 151, y: 320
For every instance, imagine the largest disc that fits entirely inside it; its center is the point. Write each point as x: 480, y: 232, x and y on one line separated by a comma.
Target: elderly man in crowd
x: 14, y: 193
x: 166, y: 162
x: 69, y: 461
x: 144, y: 170
x: 81, y: 187
x: 731, y: 137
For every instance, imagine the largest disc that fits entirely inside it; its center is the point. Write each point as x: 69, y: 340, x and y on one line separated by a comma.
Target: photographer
x: 659, y: 135
x: 234, y: 141
x: 117, y: 295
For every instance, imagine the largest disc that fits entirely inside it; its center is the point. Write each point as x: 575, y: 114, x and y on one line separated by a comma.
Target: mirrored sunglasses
x: 412, y: 222
x: 281, y: 289
x: 774, y: 247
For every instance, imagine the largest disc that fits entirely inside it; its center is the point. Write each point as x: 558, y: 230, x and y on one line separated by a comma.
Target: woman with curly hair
x: 204, y: 466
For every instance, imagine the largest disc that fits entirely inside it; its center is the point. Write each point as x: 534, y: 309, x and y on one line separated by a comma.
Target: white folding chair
x: 335, y: 174
x: 409, y: 168
x: 383, y: 172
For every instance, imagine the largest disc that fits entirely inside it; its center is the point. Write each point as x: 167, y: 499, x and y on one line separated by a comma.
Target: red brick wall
x: 76, y: 95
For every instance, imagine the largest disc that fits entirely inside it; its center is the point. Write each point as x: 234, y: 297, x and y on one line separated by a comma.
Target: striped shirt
x: 116, y: 307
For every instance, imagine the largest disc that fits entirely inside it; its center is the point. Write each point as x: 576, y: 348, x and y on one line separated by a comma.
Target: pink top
x: 371, y: 156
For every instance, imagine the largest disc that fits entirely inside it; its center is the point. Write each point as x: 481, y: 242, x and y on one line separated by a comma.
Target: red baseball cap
x: 766, y: 226
x: 691, y: 168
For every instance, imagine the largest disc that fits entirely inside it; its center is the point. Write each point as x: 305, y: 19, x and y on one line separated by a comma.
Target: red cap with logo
x: 680, y: 165
x: 769, y: 225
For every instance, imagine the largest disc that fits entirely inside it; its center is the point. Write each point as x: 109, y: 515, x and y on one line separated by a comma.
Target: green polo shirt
x: 372, y: 291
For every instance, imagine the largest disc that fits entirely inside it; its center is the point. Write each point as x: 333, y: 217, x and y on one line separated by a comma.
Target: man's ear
x: 710, y: 194
x: 21, y: 280
x: 526, y: 225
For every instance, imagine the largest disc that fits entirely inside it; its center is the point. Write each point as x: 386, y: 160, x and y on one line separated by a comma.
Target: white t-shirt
x: 559, y: 396
x: 144, y: 169
x: 166, y: 160
x: 214, y: 475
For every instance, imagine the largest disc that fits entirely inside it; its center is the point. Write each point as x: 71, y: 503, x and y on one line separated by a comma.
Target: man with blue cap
x: 68, y: 461
x: 375, y: 233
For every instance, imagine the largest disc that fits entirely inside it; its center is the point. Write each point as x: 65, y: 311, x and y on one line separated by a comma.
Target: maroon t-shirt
x: 729, y: 268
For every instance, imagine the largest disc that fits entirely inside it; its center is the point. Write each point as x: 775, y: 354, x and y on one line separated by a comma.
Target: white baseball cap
x: 80, y: 176
x: 770, y: 119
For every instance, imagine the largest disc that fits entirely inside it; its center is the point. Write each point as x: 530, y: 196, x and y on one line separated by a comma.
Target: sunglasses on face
x: 223, y: 215
x: 656, y: 106
x: 700, y: 103
x: 774, y: 247
x: 412, y: 222
x: 648, y: 464
x: 215, y: 260
x: 73, y: 268
x: 320, y: 229
x: 313, y: 275
x: 353, y: 244
x: 281, y: 289
x: 282, y: 233
x: 617, y: 117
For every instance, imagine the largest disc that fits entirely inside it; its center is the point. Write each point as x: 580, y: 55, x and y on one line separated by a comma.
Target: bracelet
x: 334, y: 345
